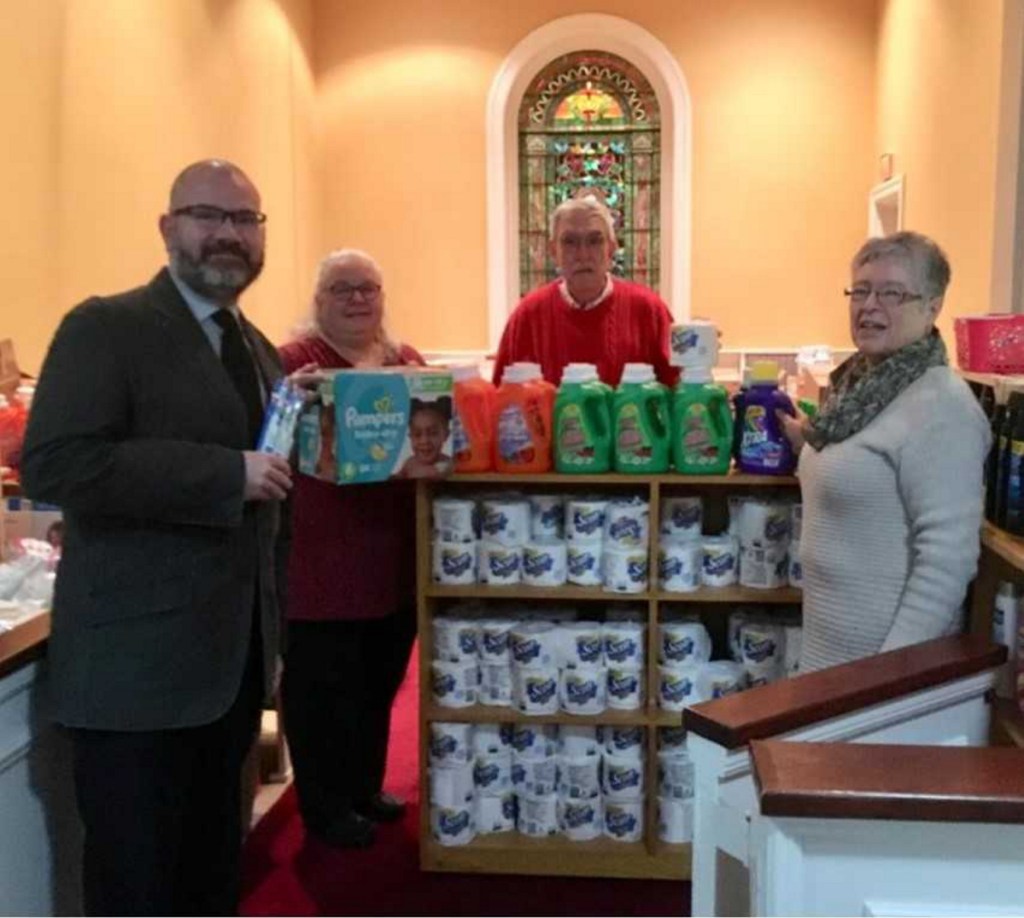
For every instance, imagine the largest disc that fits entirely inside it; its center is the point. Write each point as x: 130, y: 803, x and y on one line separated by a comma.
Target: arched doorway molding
x: 564, y: 36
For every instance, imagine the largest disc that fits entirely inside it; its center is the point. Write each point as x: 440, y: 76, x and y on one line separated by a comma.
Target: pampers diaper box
x: 371, y: 425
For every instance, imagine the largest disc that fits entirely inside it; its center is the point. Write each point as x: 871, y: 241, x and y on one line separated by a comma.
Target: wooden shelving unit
x: 514, y: 853
x: 1002, y: 558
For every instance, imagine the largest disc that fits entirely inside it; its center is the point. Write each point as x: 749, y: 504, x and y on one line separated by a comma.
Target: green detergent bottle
x: 701, y: 425
x: 583, y: 427
x: 640, y: 420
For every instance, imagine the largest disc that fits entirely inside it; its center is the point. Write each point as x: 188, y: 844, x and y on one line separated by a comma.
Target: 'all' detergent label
x: 757, y: 446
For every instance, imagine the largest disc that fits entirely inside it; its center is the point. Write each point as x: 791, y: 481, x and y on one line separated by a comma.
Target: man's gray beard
x: 217, y: 284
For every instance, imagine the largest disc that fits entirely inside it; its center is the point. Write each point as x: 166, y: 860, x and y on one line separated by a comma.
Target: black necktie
x: 238, y: 362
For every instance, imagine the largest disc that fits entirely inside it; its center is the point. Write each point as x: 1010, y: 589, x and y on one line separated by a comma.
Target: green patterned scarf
x: 860, y: 389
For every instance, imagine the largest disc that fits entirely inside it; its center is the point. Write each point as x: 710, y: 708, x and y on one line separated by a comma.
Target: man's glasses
x: 367, y: 290
x: 889, y: 297
x: 212, y: 218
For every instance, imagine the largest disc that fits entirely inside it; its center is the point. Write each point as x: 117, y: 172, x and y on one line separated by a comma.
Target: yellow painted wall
x: 783, y: 111
x: 938, y: 107
x: 113, y: 97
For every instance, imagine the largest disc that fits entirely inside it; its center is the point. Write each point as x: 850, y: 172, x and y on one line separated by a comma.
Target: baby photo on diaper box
x: 371, y: 425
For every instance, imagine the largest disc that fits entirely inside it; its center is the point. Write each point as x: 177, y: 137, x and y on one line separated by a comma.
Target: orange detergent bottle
x: 522, y: 422
x: 473, y: 420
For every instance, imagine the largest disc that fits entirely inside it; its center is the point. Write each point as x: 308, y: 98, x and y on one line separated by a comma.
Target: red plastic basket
x: 990, y: 344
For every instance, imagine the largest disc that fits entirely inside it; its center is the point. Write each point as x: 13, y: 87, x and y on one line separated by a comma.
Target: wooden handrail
x: 867, y: 781
x: 790, y: 704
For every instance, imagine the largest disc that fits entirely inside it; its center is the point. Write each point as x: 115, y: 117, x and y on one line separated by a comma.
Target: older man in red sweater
x: 586, y: 316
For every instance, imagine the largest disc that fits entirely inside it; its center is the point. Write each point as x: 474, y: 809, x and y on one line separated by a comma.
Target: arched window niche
x: 529, y: 60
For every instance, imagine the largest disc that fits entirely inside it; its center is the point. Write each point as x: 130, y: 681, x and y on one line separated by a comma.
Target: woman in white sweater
x: 891, y: 469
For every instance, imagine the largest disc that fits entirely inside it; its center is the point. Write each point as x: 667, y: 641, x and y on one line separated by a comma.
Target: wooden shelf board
x: 483, y: 591
x: 622, y: 480
x: 487, y: 714
x: 509, y: 852
x: 734, y: 594
x: 1009, y: 548
x: 1008, y: 722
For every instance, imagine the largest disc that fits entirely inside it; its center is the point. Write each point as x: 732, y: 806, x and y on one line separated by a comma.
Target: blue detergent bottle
x: 763, y: 448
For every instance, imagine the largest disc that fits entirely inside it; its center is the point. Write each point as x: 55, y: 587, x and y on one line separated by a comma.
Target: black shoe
x: 350, y: 831
x: 382, y: 808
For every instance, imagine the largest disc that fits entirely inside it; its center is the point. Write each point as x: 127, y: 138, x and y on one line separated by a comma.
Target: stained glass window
x: 590, y: 120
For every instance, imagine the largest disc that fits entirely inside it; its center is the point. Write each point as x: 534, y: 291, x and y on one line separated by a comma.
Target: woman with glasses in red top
x: 351, y: 586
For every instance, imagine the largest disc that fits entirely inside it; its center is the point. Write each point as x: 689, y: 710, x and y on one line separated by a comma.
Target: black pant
x: 162, y: 811
x: 340, y: 678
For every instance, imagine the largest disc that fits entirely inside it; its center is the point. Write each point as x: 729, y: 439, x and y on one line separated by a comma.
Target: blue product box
x: 371, y: 425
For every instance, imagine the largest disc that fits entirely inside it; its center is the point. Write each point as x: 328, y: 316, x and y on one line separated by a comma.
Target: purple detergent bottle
x: 763, y: 448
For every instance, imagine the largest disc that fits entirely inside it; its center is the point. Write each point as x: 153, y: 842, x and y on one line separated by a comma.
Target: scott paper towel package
x: 371, y: 425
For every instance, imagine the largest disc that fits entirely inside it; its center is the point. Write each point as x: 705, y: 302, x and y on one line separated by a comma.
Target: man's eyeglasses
x: 889, y: 297
x: 368, y: 291
x: 212, y: 218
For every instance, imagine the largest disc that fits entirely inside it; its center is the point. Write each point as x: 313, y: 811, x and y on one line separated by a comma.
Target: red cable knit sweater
x: 631, y: 326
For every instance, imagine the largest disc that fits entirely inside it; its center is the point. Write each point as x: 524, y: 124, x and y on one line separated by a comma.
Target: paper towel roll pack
x: 672, y: 738
x: 580, y: 820
x: 585, y: 519
x: 795, y: 571
x: 455, y: 639
x: 625, y: 688
x: 538, y: 816
x: 625, y: 571
x: 675, y: 774
x: 719, y: 561
x: 579, y: 777
x: 495, y: 814
x: 505, y: 522
x: 677, y: 687
x: 764, y: 568
x: 454, y: 685
x: 492, y: 640
x: 580, y: 644
x: 624, y: 642
x: 454, y: 519
x: 719, y: 678
x: 683, y: 642
x: 764, y: 523
x: 679, y: 566
x: 624, y: 742
x: 500, y: 565
x: 452, y: 786
x: 547, y: 516
x: 451, y: 744
x: 624, y: 820
x: 495, y: 684
x: 583, y: 690
x: 452, y: 825
x: 454, y: 563
x: 537, y: 777
x: 583, y: 564
x: 627, y: 523
x: 575, y: 741
x: 545, y: 563
x: 681, y: 518
x: 492, y: 774
x: 534, y: 644
x: 675, y: 820
x: 535, y: 691
x: 622, y: 778
x: 488, y: 739
x: 535, y: 741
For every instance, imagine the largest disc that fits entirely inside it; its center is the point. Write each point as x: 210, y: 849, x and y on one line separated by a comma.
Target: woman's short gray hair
x: 926, y: 259
x: 588, y: 204
x: 339, y: 255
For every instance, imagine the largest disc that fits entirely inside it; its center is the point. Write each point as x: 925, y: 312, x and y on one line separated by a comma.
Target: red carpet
x: 285, y: 875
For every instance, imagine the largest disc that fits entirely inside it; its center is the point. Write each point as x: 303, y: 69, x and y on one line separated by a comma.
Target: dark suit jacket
x: 137, y: 432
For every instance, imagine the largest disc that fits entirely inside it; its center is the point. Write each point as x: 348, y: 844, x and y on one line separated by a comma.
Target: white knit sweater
x: 891, y: 520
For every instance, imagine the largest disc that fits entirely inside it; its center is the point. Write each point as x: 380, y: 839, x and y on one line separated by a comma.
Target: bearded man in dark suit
x: 167, y: 607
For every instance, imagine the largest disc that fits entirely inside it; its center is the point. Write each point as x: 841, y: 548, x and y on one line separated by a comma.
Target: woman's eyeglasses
x: 889, y: 297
